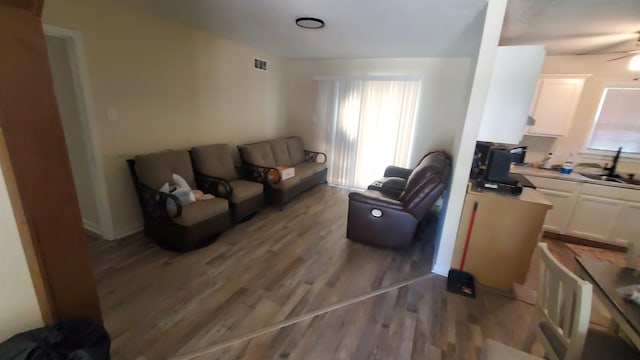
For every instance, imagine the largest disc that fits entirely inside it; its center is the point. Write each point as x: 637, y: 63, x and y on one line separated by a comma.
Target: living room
x: 158, y: 84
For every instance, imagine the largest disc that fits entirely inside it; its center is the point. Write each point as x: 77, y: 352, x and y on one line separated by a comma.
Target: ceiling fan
x: 623, y: 53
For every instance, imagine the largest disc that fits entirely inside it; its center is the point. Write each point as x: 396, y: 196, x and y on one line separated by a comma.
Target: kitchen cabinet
x: 554, y: 104
x: 594, y: 217
x: 563, y: 195
x: 513, y: 81
x: 628, y: 224
x: 504, y: 234
x: 557, y: 219
x: 604, y: 213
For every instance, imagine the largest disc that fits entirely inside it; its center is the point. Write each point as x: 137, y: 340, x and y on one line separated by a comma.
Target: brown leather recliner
x: 380, y: 219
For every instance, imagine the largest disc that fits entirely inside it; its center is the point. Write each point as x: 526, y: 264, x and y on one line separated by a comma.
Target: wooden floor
x: 288, y: 284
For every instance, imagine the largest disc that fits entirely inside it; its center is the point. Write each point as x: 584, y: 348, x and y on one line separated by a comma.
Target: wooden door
x: 37, y: 159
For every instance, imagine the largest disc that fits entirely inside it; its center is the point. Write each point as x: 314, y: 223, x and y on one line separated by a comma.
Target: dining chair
x: 633, y: 254
x: 560, y: 321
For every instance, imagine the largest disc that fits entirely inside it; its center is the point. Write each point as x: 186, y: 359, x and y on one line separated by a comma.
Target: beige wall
x: 172, y: 87
x: 602, y: 72
x: 73, y: 130
x: 19, y: 310
x: 443, y: 95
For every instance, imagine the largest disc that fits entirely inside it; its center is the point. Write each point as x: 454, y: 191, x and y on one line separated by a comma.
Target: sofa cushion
x: 258, y: 154
x: 287, y: 184
x: 304, y: 172
x: 243, y: 190
x: 214, y: 160
x: 315, y: 167
x: 156, y: 169
x: 280, y: 152
x: 296, y: 149
x: 201, y: 210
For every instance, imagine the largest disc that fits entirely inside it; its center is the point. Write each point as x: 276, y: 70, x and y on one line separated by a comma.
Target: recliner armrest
x: 375, y: 198
x: 396, y: 171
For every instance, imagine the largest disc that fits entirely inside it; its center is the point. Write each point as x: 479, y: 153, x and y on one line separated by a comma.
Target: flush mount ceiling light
x: 310, y: 23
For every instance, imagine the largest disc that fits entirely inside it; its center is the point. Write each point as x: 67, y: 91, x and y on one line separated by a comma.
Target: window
x: 368, y: 124
x: 617, y: 121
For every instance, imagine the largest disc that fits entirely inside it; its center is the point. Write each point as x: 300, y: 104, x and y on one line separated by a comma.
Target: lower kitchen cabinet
x: 595, y: 217
x: 628, y: 224
x: 503, y: 237
x: 557, y: 219
x: 591, y: 211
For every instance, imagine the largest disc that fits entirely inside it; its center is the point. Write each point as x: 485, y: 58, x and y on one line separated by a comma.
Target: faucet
x: 611, y: 171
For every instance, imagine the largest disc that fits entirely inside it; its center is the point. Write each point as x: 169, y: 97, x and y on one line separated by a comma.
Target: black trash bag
x: 81, y: 339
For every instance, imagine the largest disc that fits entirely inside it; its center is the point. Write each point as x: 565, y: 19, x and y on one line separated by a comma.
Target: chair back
x: 563, y: 307
x: 633, y: 254
x: 214, y: 160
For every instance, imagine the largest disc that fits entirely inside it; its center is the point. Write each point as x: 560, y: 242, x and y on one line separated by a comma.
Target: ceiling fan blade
x: 629, y: 54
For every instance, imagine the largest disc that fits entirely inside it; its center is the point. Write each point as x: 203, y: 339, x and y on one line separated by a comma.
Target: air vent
x: 260, y: 64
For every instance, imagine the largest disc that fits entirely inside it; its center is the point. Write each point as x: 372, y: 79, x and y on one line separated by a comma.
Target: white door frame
x: 86, y: 110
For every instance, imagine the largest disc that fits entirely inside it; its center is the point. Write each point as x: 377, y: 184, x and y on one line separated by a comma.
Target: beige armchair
x: 175, y: 226
x: 215, y: 170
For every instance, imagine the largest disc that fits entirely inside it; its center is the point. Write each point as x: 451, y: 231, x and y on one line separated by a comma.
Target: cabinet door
x: 513, y: 81
x: 628, y: 225
x: 595, y: 218
x: 557, y: 219
x: 554, y: 106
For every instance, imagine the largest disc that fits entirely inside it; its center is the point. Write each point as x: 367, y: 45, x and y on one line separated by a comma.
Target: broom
x: 458, y: 281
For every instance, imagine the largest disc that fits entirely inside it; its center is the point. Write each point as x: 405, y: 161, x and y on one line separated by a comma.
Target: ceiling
x: 354, y: 28
x: 406, y: 28
x: 570, y: 27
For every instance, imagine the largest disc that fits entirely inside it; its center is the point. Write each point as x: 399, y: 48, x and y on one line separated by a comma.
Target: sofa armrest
x: 214, y: 185
x: 396, y: 171
x: 154, y: 203
x: 375, y: 198
x: 313, y: 156
x: 261, y: 173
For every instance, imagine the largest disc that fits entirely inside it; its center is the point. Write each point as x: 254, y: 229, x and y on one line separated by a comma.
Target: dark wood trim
x: 37, y: 159
x: 34, y: 6
x: 585, y: 242
x: 33, y: 259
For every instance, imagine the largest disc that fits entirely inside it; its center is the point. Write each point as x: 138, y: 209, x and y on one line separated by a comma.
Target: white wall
x: 441, y: 108
x: 171, y: 86
x: 466, y: 138
x: 19, y: 309
x: 73, y: 130
x: 602, y: 72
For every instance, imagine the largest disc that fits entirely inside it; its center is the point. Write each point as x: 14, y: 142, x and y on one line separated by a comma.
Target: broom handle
x: 466, y: 244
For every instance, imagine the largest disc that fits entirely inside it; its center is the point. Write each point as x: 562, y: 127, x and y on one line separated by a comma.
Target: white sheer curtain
x: 368, y: 124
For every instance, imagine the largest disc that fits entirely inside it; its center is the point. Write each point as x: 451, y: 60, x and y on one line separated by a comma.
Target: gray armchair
x: 184, y: 227
x: 215, y: 170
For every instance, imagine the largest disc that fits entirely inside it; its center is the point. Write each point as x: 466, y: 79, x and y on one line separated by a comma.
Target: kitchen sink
x: 619, y: 180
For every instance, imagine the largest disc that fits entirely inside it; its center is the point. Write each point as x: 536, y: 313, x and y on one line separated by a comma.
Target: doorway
x: 71, y: 87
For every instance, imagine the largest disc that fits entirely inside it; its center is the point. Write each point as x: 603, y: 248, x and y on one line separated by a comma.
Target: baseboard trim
x: 128, y: 231
x: 441, y: 270
x: 91, y: 226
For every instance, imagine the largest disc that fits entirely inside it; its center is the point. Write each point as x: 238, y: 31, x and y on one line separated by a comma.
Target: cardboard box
x: 286, y: 172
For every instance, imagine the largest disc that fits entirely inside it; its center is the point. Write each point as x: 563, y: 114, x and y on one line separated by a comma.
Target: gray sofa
x: 260, y: 161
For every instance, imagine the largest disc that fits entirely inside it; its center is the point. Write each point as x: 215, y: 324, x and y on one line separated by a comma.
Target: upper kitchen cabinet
x: 554, y: 104
x: 513, y: 82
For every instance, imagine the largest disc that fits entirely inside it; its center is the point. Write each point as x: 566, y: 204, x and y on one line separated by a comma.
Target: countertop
x: 528, y: 194
x: 552, y: 174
